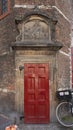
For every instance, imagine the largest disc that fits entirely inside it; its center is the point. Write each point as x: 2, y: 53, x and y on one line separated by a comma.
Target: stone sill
x: 34, y: 44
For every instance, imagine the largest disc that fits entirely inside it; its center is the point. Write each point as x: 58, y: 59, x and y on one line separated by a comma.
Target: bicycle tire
x: 64, y: 115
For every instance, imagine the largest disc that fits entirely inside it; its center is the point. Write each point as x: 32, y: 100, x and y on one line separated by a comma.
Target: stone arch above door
x: 36, y: 30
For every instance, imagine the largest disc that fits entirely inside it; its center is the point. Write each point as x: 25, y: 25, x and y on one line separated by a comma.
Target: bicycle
x: 64, y: 110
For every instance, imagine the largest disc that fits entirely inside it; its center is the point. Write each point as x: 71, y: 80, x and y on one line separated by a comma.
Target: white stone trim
x: 31, y: 6
x: 64, y: 53
x: 61, y: 13
x: 23, y: 6
x: 4, y: 90
x: 4, y: 53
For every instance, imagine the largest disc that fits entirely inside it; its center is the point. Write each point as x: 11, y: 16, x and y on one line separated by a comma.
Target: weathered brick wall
x: 7, y: 35
x: 7, y: 31
x: 63, y: 34
x: 6, y: 82
x: 63, y: 31
x: 63, y: 78
x: 65, y: 7
x: 31, y: 2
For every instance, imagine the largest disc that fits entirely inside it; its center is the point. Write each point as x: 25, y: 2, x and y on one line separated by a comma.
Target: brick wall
x: 63, y: 34
x: 65, y: 7
x: 7, y: 36
x: 34, y: 2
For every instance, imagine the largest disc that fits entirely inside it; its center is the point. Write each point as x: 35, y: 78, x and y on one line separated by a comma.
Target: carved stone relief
x: 34, y: 29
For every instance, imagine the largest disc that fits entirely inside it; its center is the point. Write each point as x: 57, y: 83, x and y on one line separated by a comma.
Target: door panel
x: 36, y: 88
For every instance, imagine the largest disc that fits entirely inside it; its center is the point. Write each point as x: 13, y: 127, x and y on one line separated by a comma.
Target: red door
x: 36, y: 93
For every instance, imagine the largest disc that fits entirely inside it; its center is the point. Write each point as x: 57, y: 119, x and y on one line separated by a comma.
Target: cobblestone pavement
x: 51, y: 126
x: 6, y: 121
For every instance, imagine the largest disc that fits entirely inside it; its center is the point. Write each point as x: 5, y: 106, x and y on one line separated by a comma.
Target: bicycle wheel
x: 64, y: 115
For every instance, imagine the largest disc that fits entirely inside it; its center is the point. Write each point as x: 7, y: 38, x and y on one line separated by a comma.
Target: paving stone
x: 4, y: 122
x: 51, y: 126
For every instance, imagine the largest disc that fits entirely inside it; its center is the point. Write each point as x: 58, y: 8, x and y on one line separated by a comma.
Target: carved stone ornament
x: 33, y: 30
x: 36, y: 32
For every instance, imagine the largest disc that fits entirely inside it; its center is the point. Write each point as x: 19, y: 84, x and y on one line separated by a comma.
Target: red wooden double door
x: 36, y: 93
